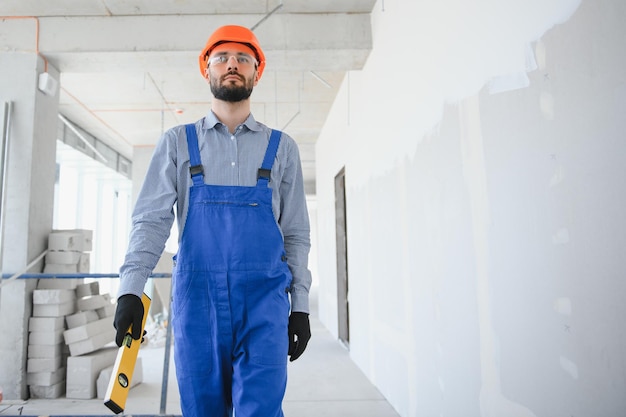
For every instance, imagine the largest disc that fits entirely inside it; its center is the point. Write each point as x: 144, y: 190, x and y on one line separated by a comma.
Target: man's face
x: 232, y: 72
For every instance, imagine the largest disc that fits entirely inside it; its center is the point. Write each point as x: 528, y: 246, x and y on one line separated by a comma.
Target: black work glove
x: 129, y: 311
x: 299, y: 334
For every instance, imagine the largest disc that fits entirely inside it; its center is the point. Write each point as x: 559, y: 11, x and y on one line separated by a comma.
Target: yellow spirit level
x: 119, y: 384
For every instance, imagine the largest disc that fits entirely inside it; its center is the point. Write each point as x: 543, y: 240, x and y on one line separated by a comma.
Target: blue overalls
x: 230, y: 297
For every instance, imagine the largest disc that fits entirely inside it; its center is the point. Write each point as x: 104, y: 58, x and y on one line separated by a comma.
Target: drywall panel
x: 483, y: 147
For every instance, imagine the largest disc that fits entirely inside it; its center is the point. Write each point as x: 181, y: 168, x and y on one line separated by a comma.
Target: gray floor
x: 323, y: 382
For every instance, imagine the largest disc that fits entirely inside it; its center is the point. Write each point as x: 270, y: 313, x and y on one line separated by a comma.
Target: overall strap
x: 263, y: 176
x: 195, y: 163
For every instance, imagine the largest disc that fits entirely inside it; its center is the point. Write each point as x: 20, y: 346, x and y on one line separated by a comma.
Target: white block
x: 54, y: 310
x: 88, y: 330
x: 107, y: 311
x: 105, y: 376
x: 81, y: 318
x: 58, y: 283
x: 83, y: 371
x: 91, y: 288
x: 64, y: 257
x: 93, y: 343
x: 51, y: 392
x: 42, y: 324
x: 84, y: 264
x: 75, y: 240
x: 87, y: 238
x: 46, y: 379
x: 46, y: 351
x: 43, y: 365
x: 60, y: 269
x: 52, y: 337
x: 93, y: 302
x: 65, y: 240
x: 53, y: 296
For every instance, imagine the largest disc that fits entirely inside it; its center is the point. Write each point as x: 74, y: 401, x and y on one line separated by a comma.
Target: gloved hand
x: 299, y: 334
x: 129, y: 311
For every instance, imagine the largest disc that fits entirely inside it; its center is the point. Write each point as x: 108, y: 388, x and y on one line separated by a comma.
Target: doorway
x: 343, y: 310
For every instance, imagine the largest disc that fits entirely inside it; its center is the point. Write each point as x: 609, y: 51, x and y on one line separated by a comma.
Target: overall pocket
x: 267, y: 301
x: 191, y: 320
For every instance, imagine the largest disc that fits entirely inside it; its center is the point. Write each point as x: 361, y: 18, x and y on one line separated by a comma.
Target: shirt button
x: 232, y: 137
x: 232, y: 164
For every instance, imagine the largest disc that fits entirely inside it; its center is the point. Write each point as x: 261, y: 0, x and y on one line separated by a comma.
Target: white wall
x: 484, y: 151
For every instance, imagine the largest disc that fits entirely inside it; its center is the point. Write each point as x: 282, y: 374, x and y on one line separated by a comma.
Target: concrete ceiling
x: 129, y: 67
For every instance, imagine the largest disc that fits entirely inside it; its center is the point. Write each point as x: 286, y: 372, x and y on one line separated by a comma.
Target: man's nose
x: 232, y: 62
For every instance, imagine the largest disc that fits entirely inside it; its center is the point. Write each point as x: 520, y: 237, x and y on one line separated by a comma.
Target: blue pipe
x: 69, y: 276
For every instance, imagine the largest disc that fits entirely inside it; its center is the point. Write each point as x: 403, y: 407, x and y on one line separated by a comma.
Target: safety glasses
x: 241, y: 58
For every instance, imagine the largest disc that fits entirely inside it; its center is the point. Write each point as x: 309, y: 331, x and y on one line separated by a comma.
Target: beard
x: 229, y: 92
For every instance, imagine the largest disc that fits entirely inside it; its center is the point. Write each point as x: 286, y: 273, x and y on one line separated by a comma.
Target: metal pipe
x: 291, y: 120
x: 26, y: 268
x: 320, y: 79
x: 298, y: 112
x: 267, y: 16
x: 79, y: 275
x: 166, y: 355
x: 4, y: 159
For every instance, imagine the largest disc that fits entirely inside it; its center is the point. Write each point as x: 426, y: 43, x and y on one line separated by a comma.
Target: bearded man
x: 240, y: 298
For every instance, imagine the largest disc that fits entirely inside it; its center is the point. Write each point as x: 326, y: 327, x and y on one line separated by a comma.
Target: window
x: 90, y: 195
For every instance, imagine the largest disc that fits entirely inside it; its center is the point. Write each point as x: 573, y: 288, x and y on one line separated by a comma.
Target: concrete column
x: 29, y: 203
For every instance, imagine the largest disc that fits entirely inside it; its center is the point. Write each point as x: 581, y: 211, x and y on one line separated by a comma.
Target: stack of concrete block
x: 91, y: 327
x: 89, y: 332
x: 46, y: 351
x: 68, y: 251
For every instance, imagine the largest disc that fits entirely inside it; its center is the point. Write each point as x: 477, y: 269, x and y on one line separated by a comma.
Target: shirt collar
x: 211, y: 120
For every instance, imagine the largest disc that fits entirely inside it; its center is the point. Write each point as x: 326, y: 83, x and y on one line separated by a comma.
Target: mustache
x: 231, y: 73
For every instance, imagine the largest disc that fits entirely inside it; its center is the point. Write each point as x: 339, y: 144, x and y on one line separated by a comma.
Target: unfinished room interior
x: 463, y: 166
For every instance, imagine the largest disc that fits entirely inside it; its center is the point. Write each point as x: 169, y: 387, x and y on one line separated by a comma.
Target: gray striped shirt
x: 227, y: 160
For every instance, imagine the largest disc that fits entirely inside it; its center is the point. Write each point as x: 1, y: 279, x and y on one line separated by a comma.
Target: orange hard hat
x: 232, y: 33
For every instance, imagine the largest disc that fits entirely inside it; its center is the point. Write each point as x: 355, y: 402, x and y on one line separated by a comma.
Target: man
x: 243, y: 249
